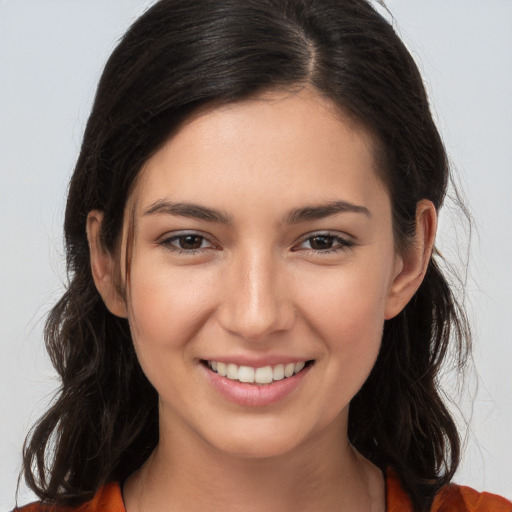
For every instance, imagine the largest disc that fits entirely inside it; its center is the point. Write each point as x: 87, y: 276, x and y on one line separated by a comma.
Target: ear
x: 103, y: 266
x: 413, y: 263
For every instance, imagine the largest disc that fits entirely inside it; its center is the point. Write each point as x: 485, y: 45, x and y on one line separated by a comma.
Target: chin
x: 260, y: 438
x: 258, y: 446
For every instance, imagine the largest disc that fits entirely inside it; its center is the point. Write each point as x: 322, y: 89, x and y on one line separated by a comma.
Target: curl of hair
x: 181, y: 55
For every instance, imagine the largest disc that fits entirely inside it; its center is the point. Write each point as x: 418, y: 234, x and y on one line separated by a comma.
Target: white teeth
x: 246, y: 374
x: 263, y: 375
x: 299, y: 366
x: 278, y: 372
x: 289, y: 369
x: 221, y: 369
x: 232, y: 372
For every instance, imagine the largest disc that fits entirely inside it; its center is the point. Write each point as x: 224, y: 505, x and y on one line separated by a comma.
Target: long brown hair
x: 184, y: 54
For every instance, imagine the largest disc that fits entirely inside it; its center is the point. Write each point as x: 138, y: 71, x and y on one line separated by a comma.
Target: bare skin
x: 263, y: 235
x: 295, y: 482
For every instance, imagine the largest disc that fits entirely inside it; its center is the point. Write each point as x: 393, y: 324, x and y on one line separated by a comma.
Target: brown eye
x: 190, y: 242
x: 186, y: 243
x: 322, y: 242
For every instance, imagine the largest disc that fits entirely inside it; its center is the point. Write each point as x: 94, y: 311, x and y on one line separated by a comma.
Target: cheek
x: 166, y: 306
x: 166, y: 310
x: 346, y: 311
x: 346, y: 300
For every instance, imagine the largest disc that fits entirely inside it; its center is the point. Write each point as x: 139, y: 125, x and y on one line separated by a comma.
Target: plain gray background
x: 51, y: 55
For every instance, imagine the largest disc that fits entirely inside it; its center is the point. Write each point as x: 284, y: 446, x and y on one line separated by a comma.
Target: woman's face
x: 263, y: 243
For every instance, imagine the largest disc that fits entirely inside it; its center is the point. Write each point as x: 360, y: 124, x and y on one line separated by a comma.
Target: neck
x: 322, y: 474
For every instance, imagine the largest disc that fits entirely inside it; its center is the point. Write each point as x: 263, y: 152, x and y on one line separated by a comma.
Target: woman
x: 250, y: 229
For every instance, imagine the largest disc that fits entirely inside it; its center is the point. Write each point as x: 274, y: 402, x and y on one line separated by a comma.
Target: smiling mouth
x: 260, y: 376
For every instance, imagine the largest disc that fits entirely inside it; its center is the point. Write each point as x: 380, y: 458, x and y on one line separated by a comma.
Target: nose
x: 257, y: 302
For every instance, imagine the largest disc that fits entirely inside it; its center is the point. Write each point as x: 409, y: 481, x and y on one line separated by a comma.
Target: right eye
x: 186, y: 243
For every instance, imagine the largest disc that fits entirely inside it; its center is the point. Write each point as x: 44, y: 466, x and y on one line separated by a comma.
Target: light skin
x: 263, y: 232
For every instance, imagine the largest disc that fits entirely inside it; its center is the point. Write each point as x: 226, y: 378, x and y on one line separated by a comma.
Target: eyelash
x: 342, y: 243
x: 169, y: 243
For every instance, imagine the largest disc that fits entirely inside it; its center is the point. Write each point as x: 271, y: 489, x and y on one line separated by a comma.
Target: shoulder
x: 107, y: 499
x: 452, y: 498
x: 459, y: 497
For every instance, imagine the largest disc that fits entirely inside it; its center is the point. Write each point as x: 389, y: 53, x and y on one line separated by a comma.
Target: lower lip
x: 254, y: 395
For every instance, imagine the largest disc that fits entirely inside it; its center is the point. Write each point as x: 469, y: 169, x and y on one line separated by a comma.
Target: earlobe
x: 103, y: 266
x: 414, y: 262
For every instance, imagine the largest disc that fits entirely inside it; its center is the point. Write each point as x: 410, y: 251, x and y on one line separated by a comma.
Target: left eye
x: 324, y: 243
x: 187, y: 242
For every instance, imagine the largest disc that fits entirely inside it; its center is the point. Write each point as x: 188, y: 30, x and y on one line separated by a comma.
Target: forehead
x: 285, y: 146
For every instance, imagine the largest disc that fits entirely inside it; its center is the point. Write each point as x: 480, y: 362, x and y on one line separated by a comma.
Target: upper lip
x: 255, y: 361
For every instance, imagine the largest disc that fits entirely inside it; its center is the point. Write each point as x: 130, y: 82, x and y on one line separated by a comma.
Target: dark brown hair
x: 184, y: 54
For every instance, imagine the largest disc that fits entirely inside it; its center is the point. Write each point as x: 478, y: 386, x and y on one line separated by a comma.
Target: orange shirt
x: 453, y: 498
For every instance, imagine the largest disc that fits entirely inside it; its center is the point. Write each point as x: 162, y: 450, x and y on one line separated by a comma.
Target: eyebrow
x: 304, y: 214
x: 321, y: 211
x: 189, y: 210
